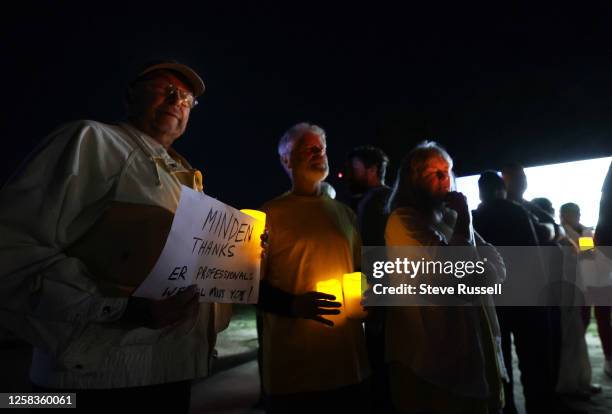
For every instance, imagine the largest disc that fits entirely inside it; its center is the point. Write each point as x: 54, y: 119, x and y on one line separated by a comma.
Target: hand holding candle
x: 312, y: 305
x: 331, y: 287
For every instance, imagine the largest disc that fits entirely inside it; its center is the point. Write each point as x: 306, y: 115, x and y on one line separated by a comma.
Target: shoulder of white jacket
x: 97, y: 133
x: 83, y: 125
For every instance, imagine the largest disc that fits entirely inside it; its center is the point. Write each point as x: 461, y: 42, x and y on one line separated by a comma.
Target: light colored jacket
x: 450, y: 347
x: 82, y: 223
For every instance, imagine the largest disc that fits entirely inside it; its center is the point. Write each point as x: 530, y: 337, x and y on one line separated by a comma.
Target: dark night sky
x: 493, y: 83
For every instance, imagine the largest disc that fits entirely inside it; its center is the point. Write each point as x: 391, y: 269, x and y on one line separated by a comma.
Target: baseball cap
x: 190, y: 75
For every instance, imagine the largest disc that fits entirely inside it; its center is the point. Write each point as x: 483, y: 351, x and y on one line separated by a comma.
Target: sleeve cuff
x: 108, y: 309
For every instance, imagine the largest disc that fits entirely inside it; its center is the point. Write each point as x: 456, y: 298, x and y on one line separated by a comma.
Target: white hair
x: 285, y: 145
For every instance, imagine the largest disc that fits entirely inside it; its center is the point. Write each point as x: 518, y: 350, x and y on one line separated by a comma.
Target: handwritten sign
x: 212, y: 245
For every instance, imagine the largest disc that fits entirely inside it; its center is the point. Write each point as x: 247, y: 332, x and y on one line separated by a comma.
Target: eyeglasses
x: 185, y: 99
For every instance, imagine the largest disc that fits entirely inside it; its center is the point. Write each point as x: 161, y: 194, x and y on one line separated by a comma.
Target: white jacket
x: 53, y: 299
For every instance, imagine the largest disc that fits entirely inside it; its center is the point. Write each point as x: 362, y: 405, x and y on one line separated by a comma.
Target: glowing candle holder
x: 256, y: 214
x: 586, y: 243
x: 260, y: 226
x: 353, y: 288
x: 332, y: 287
x: 255, y: 250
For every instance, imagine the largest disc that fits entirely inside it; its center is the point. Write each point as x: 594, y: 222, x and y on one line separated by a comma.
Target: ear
x: 286, y: 162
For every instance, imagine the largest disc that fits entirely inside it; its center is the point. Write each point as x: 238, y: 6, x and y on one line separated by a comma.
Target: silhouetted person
x: 365, y: 172
x: 603, y: 232
x: 549, y: 234
x: 503, y: 222
x: 516, y: 184
x: 545, y: 204
x: 366, y: 167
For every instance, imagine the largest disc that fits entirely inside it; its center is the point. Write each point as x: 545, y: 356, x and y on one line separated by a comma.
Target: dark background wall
x: 493, y: 82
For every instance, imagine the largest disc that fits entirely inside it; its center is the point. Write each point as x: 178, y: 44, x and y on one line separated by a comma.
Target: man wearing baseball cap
x: 82, y: 224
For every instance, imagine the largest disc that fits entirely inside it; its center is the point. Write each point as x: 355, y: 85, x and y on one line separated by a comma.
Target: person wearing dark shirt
x: 366, y: 167
x: 603, y: 232
x: 516, y: 228
x: 503, y: 222
x: 516, y: 184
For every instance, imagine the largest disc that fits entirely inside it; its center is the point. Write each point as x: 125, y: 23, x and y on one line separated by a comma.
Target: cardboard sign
x: 212, y: 245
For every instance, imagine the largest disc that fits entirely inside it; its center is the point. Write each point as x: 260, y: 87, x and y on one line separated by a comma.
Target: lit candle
x: 256, y: 214
x: 586, y: 243
x: 353, y: 292
x: 331, y: 287
x: 259, y: 227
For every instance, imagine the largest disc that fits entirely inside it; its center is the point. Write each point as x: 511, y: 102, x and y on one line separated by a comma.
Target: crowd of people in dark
x: 549, y: 341
x: 68, y: 257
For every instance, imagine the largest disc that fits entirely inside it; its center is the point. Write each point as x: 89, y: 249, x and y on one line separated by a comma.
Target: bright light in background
x: 577, y: 182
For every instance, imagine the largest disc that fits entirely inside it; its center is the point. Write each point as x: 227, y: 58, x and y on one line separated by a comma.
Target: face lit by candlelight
x: 308, y: 158
x: 161, y: 115
x: 434, y: 177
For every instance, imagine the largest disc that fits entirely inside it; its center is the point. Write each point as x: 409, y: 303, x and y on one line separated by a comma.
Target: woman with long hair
x: 442, y: 359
